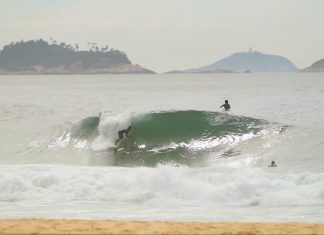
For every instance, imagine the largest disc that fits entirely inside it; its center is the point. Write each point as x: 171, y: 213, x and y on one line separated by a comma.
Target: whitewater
x: 185, y: 158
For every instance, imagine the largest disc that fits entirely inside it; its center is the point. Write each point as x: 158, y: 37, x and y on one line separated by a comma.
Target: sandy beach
x: 38, y: 226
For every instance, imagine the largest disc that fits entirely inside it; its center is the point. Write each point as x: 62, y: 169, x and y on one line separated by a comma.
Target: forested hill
x: 42, y: 57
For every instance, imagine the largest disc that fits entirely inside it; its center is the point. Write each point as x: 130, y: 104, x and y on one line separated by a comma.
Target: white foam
x: 108, y: 129
x: 168, y: 186
x: 208, y: 143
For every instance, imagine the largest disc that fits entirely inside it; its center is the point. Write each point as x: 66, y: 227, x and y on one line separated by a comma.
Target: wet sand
x: 60, y: 226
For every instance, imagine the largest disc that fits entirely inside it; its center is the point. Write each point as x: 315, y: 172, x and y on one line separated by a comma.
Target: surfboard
x: 125, y: 144
x: 222, y: 109
x: 113, y: 146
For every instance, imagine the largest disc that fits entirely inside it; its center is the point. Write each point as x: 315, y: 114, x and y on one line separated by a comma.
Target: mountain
x: 318, y: 66
x: 251, y: 62
x: 41, y: 57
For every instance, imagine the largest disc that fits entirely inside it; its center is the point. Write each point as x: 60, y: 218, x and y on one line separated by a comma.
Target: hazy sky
x: 173, y: 34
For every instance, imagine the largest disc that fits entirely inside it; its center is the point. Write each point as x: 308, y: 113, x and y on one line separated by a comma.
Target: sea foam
x: 165, y: 185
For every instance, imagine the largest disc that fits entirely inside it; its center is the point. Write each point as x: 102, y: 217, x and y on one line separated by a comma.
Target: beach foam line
x: 61, y: 226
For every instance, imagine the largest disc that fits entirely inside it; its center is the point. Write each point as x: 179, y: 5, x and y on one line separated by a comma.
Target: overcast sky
x: 165, y: 35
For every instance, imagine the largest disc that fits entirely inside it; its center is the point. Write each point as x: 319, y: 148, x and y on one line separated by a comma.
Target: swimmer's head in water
x: 226, y: 101
x: 273, y: 164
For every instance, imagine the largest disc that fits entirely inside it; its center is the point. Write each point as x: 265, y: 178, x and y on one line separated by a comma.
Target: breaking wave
x: 174, y: 137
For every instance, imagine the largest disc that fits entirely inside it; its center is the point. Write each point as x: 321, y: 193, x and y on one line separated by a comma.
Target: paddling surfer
x: 226, y: 106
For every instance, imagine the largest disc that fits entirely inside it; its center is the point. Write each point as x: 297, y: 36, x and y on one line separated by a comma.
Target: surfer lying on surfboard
x: 121, y: 134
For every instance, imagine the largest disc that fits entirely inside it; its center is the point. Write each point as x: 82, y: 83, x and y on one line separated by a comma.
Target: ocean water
x: 185, y: 158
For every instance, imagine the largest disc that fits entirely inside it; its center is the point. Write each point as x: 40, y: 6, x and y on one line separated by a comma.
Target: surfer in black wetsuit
x: 226, y: 106
x: 121, y: 133
x: 273, y: 164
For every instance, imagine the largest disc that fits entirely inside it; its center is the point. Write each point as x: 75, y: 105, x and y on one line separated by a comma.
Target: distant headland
x: 42, y: 57
x: 317, y: 66
x: 251, y: 61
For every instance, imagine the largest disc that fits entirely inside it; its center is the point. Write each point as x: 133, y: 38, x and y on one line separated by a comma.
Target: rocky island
x: 318, y: 66
x: 42, y: 57
x: 247, y: 62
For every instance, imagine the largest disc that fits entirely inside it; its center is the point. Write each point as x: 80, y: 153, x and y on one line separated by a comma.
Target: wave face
x: 173, y: 136
x: 162, y: 128
x: 86, y: 129
x: 191, y: 130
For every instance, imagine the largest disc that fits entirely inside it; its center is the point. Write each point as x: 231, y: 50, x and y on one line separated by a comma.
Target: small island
x: 42, y: 57
x: 248, y: 62
x: 317, y: 66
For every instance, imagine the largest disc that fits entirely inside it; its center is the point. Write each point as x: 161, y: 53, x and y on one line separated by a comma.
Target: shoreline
x: 63, y: 226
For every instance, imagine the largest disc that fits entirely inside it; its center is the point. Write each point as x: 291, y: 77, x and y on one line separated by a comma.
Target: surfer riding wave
x: 121, y: 134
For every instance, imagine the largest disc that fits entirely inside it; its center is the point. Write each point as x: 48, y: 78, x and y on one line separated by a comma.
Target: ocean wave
x: 165, y: 185
x: 158, y: 129
x: 162, y: 137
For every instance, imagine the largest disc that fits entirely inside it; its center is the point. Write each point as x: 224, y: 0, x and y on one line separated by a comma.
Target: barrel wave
x: 176, y: 137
